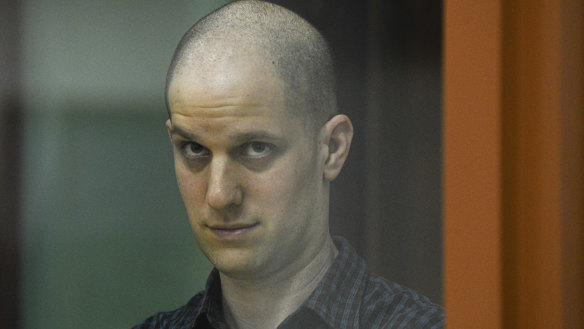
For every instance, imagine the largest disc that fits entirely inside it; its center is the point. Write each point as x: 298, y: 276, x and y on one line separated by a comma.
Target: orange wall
x: 472, y: 164
x: 514, y: 164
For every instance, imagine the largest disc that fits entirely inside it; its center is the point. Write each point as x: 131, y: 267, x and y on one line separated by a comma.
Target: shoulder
x: 390, y: 305
x: 176, y: 319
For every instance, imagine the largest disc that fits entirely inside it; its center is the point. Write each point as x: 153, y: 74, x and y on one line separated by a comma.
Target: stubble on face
x: 279, y: 197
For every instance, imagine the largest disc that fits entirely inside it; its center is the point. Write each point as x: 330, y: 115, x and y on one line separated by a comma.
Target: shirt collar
x: 212, y: 307
x: 336, y: 299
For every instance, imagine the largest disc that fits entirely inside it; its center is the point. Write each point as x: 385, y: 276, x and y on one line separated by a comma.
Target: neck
x: 266, y: 303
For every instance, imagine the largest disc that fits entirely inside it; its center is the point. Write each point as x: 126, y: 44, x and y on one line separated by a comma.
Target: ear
x: 336, y: 134
x: 169, y: 128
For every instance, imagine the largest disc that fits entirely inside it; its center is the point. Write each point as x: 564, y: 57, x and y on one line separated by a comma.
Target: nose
x: 222, y: 185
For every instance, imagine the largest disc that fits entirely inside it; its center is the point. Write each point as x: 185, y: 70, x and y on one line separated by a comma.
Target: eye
x: 257, y: 149
x: 194, y: 150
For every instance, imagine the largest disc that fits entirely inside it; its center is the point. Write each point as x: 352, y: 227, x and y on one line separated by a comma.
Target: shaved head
x: 271, y: 35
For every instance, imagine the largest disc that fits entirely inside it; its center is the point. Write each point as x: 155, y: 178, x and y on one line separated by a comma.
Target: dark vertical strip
x: 9, y: 164
x: 404, y: 143
x: 542, y: 164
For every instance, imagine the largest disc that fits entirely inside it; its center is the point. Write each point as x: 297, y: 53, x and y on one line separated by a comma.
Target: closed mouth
x: 232, y: 232
x: 233, y: 227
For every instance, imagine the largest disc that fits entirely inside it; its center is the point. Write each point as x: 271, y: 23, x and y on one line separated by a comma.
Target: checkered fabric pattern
x: 348, y: 297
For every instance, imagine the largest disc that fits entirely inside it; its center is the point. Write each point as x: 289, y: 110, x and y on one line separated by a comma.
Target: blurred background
x: 93, y: 231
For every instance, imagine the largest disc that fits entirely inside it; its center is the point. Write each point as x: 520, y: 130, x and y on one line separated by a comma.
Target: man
x: 257, y: 141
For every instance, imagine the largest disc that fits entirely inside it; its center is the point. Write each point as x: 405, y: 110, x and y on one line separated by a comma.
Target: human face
x: 250, y: 175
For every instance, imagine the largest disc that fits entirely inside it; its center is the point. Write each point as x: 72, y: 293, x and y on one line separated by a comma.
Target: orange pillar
x: 514, y: 164
x: 472, y: 164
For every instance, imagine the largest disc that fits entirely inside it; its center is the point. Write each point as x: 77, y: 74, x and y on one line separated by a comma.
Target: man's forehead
x: 228, y: 101
x: 235, y: 124
x: 220, y: 110
x: 225, y: 83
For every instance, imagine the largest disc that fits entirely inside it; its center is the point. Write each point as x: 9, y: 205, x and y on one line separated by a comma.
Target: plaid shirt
x: 348, y: 297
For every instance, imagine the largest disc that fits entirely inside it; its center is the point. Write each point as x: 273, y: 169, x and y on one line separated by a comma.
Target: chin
x: 239, y: 271
x: 236, y: 262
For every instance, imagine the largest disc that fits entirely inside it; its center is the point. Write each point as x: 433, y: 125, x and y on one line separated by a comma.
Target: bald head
x: 272, y: 36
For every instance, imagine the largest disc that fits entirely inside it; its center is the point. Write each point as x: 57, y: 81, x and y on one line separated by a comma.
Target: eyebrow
x: 186, y: 134
x: 246, y: 136
x: 255, y: 135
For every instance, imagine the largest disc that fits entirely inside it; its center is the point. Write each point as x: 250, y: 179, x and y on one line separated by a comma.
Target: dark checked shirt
x: 348, y: 297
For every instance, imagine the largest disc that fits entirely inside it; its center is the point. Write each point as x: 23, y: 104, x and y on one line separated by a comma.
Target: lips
x: 232, y: 231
